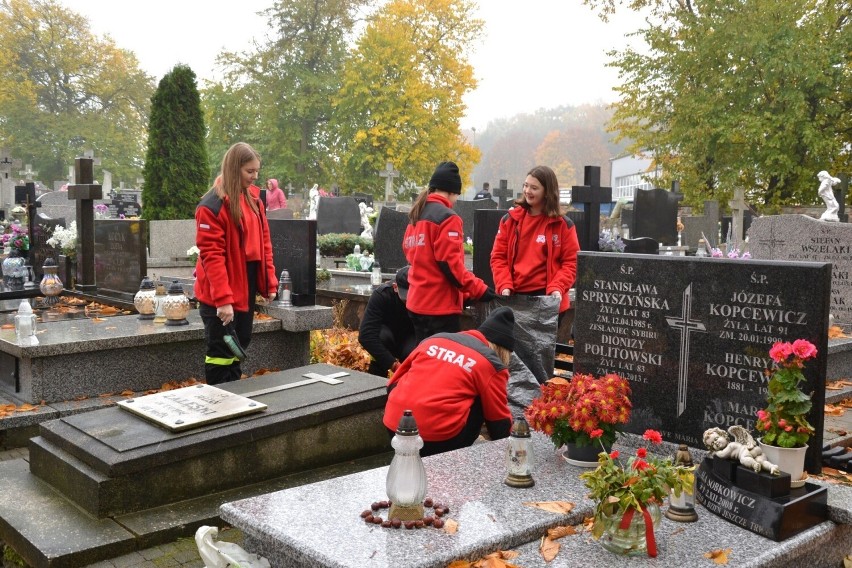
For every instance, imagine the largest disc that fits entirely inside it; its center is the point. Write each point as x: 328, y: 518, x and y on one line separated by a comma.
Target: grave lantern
x: 406, y: 481
x: 25, y: 324
x: 376, y: 276
x: 176, y: 305
x: 682, y: 507
x: 50, y: 285
x: 285, y: 286
x: 159, y: 298
x: 145, y: 299
x: 519, y: 455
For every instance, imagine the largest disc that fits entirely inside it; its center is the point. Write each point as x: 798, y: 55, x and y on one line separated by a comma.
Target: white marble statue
x: 313, y: 202
x: 365, y: 220
x: 826, y: 182
x: 743, y: 448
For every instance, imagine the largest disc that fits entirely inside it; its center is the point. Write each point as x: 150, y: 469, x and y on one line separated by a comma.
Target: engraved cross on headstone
x: 389, y: 173
x: 738, y: 206
x: 591, y: 195
x: 686, y: 326
x: 772, y: 242
x: 28, y: 173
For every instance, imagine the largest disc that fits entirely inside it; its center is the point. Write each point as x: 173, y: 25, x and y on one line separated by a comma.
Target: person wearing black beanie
x: 439, y: 282
x: 455, y: 382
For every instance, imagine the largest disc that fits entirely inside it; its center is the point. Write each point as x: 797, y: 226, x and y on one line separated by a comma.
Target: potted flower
x: 628, y: 496
x: 783, y: 424
x: 608, y: 241
x: 581, y: 411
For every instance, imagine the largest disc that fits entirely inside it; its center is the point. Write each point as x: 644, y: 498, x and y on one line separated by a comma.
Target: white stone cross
x: 312, y: 378
x: 91, y: 155
x: 738, y: 206
x: 28, y: 173
x: 388, y: 173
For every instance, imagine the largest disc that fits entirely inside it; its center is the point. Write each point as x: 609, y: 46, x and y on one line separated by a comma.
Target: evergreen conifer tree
x: 176, y: 165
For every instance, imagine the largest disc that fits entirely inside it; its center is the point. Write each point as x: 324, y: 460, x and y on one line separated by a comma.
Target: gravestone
x: 84, y: 192
x: 338, y: 215
x: 120, y: 259
x: 7, y: 180
x: 363, y: 198
x: 591, y: 195
x: 39, y: 249
x: 700, y: 331
x: 465, y: 210
x: 294, y: 245
x: 581, y: 226
x: 505, y: 196
x: 655, y: 215
x: 802, y: 238
x: 285, y: 213
x: 487, y: 222
x: 170, y: 239
x: 696, y: 225
x: 124, y: 204
x: 642, y: 245
x: 840, y: 192
x: 56, y: 205
x: 387, y: 240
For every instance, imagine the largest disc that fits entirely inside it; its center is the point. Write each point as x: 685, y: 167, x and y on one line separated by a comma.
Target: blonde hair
x: 502, y: 353
x: 229, y: 182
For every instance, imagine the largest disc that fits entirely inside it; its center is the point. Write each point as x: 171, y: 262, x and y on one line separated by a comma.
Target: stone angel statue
x: 826, y: 182
x: 743, y: 448
x: 313, y: 201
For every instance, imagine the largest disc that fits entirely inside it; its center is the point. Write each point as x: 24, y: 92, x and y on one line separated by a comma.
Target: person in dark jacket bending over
x: 453, y: 382
x: 386, y: 331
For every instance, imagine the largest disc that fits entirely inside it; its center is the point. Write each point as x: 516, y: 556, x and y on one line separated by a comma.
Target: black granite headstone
x: 363, y: 198
x: 642, y: 245
x: 121, y: 259
x: 591, y: 195
x: 465, y: 210
x: 338, y: 215
x: 126, y: 204
x: 748, y: 216
x: 280, y: 214
x: 579, y: 219
x: 487, y: 222
x: 840, y: 193
x: 505, y: 196
x: 655, y: 215
x: 387, y: 239
x: 39, y: 249
x: 693, y: 336
x: 294, y: 245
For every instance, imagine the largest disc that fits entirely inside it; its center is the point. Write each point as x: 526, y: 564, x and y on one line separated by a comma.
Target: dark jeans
x: 427, y: 326
x: 220, y: 365
x: 468, y: 435
x: 400, y: 347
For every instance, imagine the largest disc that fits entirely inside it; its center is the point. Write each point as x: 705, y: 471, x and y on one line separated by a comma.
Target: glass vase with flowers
x: 581, y: 413
x: 14, y: 265
x: 628, y: 496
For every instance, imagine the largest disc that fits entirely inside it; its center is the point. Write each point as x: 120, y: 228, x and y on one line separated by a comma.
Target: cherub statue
x: 365, y: 220
x: 826, y: 182
x: 313, y: 201
x: 743, y: 448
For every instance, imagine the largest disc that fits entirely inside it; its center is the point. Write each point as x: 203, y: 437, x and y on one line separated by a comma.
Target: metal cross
x: 686, y: 326
x: 312, y: 378
x: 388, y: 173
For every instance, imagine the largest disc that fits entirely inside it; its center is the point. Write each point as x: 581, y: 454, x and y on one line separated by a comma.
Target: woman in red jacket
x: 535, y: 250
x: 235, y: 259
x: 438, y: 280
x: 453, y: 382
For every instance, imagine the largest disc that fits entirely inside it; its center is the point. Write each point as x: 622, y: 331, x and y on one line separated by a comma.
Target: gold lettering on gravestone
x: 191, y: 407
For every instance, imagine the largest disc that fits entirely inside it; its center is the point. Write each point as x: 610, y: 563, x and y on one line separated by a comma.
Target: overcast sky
x: 534, y: 54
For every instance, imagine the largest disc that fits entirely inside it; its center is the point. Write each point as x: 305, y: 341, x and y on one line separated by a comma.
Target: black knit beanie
x: 499, y: 328
x: 446, y: 177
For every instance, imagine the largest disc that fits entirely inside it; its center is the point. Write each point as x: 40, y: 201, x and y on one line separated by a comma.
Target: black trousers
x: 399, y: 347
x: 220, y: 365
x: 427, y: 326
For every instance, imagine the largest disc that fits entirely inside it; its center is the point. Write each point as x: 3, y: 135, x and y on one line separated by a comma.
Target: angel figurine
x: 826, y: 182
x: 743, y: 448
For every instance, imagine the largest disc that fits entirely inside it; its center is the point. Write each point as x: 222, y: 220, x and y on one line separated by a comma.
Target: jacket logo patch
x: 444, y: 354
x: 203, y: 226
x: 540, y: 239
x: 453, y: 234
x: 556, y: 240
x: 415, y: 241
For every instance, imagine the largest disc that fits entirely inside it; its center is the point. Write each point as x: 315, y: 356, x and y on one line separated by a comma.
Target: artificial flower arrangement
x: 192, y: 253
x: 784, y: 421
x: 610, y: 242
x: 622, y: 490
x: 65, y: 239
x: 581, y: 410
x: 733, y: 253
x: 17, y: 238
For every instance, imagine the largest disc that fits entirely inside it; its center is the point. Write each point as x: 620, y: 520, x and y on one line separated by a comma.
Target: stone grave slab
x: 112, y: 462
x: 170, y: 239
x: 294, y: 245
x: 285, y: 213
x: 707, y: 223
x: 121, y: 259
x: 56, y: 205
x: 466, y: 209
x: 486, y: 224
x: 655, y: 215
x: 387, y: 240
x: 699, y: 330
x: 190, y: 407
x: 338, y: 215
x: 802, y: 238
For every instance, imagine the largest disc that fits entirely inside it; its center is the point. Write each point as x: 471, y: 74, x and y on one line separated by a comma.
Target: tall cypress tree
x: 176, y: 165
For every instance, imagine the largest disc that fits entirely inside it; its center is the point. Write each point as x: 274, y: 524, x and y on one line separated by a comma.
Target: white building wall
x: 626, y: 175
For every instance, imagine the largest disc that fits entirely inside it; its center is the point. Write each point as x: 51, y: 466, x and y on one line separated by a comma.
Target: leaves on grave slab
x: 262, y: 316
x: 560, y: 531
x: 172, y: 385
x: 7, y: 410
x: 833, y: 475
x: 493, y: 560
x: 560, y: 507
x: 451, y: 526
x: 834, y: 410
x: 846, y: 403
x: 548, y: 548
x: 261, y: 372
x: 7, y: 326
x: 719, y: 556
x: 836, y: 332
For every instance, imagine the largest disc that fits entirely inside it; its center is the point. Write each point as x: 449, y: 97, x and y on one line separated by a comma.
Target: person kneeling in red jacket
x: 453, y: 382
